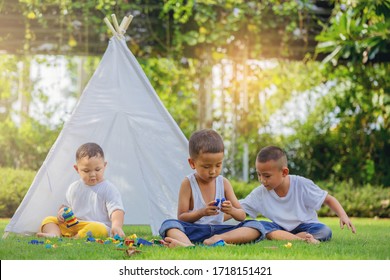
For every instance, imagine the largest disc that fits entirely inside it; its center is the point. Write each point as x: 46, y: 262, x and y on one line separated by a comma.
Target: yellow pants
x: 81, y: 229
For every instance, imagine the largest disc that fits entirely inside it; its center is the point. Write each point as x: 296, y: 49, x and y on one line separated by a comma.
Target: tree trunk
x: 24, y: 87
x: 205, y: 105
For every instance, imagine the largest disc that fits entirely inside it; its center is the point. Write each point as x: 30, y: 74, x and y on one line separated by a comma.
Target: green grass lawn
x: 371, y: 242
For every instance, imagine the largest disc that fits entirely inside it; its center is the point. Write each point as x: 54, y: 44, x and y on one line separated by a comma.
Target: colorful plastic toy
x: 219, y: 201
x: 117, y: 237
x: 129, y: 242
x: 141, y: 241
x: 91, y: 239
x: 218, y: 244
x: 35, y: 242
x: 158, y: 242
x: 69, y: 217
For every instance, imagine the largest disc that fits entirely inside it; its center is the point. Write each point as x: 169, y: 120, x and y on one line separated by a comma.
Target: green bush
x: 357, y: 201
x: 14, y: 184
x: 242, y: 189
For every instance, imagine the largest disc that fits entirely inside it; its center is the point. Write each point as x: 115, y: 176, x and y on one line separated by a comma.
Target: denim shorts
x: 320, y: 231
x: 197, y: 233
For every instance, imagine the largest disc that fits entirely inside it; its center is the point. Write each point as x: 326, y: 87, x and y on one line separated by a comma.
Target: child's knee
x: 167, y: 225
x: 49, y: 219
x: 323, y: 234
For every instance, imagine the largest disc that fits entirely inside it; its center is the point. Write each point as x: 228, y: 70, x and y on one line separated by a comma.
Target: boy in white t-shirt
x: 290, y: 201
x: 95, y: 202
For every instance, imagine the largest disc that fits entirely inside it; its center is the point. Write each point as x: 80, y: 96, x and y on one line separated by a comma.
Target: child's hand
x: 226, y: 207
x: 211, y: 209
x: 117, y: 230
x: 346, y: 221
x: 60, y: 218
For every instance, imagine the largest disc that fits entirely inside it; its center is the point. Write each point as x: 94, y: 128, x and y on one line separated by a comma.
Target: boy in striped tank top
x: 207, y: 200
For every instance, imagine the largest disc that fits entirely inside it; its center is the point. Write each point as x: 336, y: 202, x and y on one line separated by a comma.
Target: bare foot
x: 47, y: 235
x: 173, y: 243
x: 213, y: 239
x: 310, y: 239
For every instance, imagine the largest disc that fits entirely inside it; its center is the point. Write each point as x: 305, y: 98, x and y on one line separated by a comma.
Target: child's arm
x: 117, y: 218
x: 184, y: 207
x: 231, y: 206
x: 335, y: 205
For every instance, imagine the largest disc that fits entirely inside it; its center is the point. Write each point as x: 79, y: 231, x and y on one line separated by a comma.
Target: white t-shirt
x: 94, y: 203
x: 300, y: 204
x: 199, y: 202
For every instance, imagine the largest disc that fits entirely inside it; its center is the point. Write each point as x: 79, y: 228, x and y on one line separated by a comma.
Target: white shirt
x: 199, y: 202
x: 300, y: 204
x: 94, y: 203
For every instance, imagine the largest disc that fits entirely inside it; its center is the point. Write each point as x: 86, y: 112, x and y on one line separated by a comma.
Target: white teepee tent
x: 145, y: 149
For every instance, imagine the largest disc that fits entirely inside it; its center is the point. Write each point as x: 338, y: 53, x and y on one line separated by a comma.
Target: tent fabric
x: 145, y: 149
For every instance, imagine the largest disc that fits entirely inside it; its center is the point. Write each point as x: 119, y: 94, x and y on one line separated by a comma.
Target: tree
x: 347, y: 135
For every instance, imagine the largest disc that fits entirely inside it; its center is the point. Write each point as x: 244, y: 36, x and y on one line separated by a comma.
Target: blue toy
x: 218, y: 244
x: 91, y: 239
x: 141, y: 241
x: 35, y: 242
x: 219, y: 201
x: 117, y: 237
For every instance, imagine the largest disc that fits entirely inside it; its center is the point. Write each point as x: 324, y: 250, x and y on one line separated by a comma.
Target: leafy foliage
x: 27, y: 145
x: 13, y: 187
x: 347, y: 134
x: 226, y: 27
x: 364, y: 201
x: 8, y: 84
x: 174, y: 84
x: 357, y: 32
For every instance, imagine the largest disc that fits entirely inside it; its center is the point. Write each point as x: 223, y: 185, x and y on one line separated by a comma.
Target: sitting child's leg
x: 275, y: 232
x: 173, y: 233
x: 96, y: 229
x: 244, y: 232
x: 177, y: 238
x: 49, y: 228
x: 235, y: 236
x: 305, y: 236
x: 319, y: 231
x: 284, y: 235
